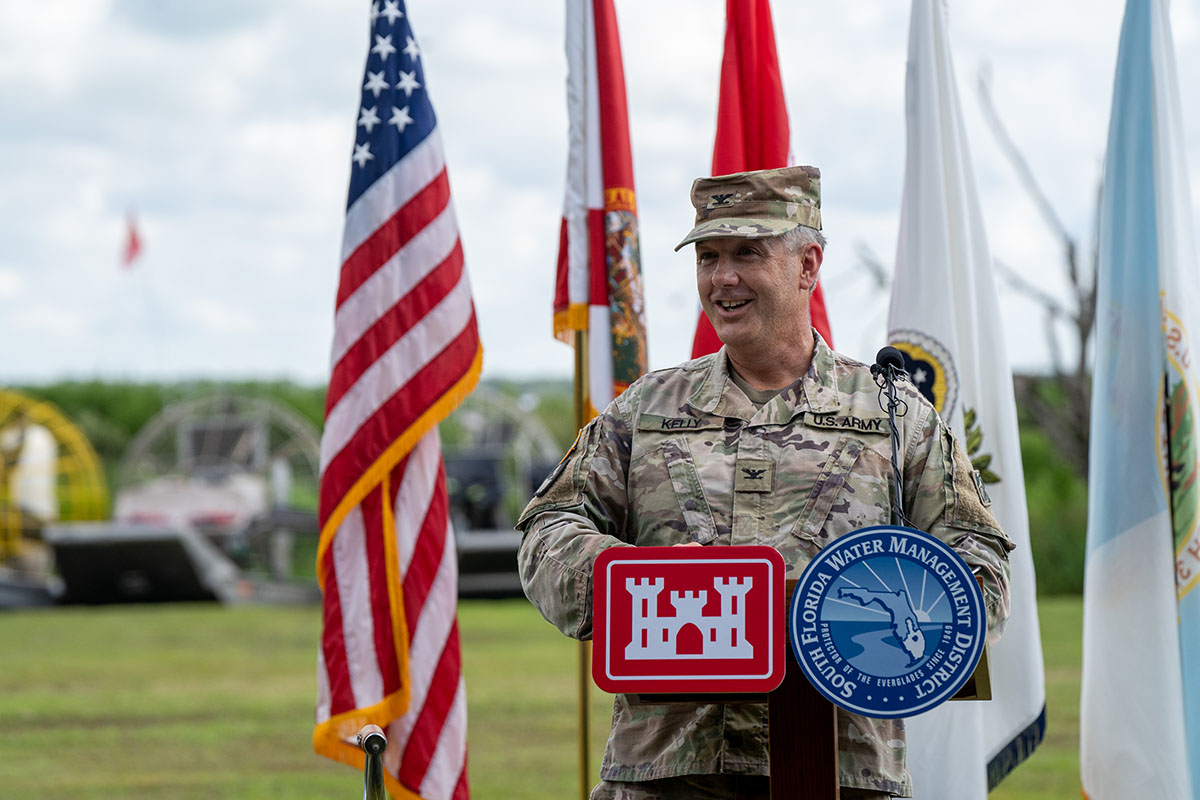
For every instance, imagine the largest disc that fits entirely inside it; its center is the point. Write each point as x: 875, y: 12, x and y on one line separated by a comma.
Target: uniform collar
x: 820, y: 383
x: 816, y: 391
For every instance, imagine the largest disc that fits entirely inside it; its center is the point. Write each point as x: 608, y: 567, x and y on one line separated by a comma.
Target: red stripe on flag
x: 597, y: 263
x: 461, y: 791
x: 397, y: 321
x: 387, y: 240
x: 428, y: 554
x: 562, y: 291
x: 333, y: 643
x: 396, y: 415
x: 380, y: 591
x: 424, y: 737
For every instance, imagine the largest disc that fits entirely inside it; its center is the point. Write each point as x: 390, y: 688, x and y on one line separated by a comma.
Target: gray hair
x: 801, y: 235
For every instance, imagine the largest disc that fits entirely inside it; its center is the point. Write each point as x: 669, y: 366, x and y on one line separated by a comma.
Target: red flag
x: 133, y: 242
x: 599, y: 281
x: 752, y: 125
x: 405, y: 351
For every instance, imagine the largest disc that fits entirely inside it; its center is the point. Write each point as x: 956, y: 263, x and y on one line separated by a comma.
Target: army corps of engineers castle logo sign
x: 688, y: 619
x: 887, y: 622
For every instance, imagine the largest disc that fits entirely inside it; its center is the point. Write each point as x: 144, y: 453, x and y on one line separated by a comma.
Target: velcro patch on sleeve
x: 970, y: 510
x: 984, y: 497
x: 554, y: 476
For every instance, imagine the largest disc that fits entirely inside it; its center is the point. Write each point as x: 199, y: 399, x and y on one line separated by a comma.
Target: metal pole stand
x: 373, y: 743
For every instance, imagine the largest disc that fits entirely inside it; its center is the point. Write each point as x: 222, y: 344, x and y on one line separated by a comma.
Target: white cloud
x: 1185, y: 24
x: 40, y: 42
x: 214, y: 317
x: 44, y: 321
x: 12, y: 285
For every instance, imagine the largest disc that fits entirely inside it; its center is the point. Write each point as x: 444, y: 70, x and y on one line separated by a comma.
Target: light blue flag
x: 1143, y: 560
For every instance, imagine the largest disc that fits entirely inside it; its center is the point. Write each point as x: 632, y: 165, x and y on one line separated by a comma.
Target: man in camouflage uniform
x: 775, y: 440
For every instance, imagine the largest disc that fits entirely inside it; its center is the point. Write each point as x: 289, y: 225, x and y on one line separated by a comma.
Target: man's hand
x: 688, y: 544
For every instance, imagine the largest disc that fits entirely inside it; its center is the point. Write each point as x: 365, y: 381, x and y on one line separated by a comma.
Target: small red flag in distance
x: 133, y: 242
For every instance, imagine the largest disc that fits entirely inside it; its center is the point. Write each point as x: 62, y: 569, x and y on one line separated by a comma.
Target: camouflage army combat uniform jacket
x: 662, y: 465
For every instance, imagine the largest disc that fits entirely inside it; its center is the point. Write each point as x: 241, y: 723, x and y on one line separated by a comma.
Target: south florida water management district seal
x: 887, y: 622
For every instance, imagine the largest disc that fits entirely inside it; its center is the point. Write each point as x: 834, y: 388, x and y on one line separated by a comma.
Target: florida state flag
x: 599, y: 282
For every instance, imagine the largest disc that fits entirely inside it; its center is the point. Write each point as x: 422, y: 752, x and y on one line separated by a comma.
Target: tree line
x: 110, y: 413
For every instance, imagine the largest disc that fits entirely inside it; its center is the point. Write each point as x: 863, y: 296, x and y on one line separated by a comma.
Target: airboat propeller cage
x: 214, y: 493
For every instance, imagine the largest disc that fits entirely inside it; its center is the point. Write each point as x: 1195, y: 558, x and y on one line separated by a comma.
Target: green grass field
x: 200, y: 701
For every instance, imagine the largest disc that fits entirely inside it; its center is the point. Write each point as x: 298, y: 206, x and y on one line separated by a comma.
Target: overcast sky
x: 226, y: 127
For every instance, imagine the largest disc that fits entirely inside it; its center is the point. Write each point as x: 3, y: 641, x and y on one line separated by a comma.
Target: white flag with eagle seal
x: 945, y: 318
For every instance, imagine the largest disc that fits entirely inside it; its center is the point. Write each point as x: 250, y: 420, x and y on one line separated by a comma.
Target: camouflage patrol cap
x: 756, y: 205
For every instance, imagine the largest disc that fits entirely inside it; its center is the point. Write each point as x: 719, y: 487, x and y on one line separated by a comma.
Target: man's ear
x: 810, y: 265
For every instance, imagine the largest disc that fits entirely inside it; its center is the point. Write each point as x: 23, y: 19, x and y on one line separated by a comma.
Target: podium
x: 802, y: 730
x: 736, y: 596
x: 802, y: 736
x: 703, y: 625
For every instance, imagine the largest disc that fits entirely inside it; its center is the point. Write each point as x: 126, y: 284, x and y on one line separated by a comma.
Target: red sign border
x: 689, y: 684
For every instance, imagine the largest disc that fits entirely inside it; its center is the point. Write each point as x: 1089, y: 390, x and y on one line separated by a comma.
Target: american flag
x: 405, y: 351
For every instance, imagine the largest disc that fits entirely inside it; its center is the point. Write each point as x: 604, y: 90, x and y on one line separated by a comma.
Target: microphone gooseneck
x: 888, y: 367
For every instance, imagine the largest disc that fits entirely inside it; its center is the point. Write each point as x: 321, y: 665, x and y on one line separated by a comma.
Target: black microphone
x: 890, y: 357
x: 889, y: 364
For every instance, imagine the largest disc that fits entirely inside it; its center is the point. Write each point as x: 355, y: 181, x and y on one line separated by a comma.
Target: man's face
x: 755, y: 291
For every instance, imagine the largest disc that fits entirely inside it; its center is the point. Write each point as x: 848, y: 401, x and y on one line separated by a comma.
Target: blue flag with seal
x: 1141, y: 610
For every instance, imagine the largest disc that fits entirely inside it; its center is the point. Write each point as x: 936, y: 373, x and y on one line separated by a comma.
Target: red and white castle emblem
x: 688, y: 619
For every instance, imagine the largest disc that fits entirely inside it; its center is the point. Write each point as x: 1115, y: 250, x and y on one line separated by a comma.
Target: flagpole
x: 585, y: 649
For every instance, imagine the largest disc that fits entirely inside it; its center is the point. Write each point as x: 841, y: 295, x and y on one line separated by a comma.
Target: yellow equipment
x: 48, y: 471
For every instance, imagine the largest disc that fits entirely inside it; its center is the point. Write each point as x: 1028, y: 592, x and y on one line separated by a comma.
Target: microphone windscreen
x: 890, y: 357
